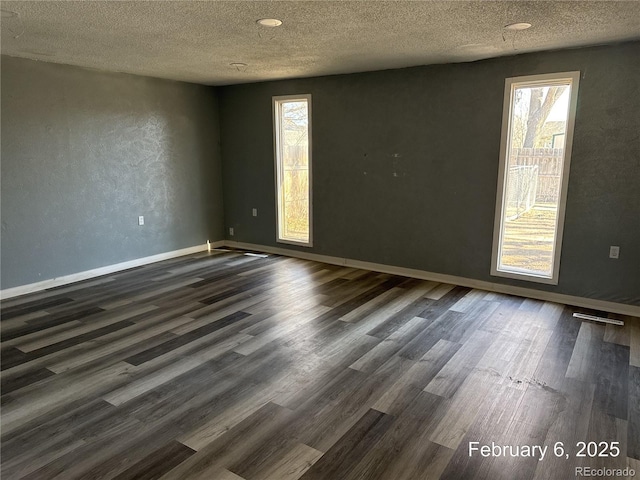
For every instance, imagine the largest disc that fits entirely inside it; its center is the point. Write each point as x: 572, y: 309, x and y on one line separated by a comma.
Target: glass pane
x: 294, y: 151
x: 535, y: 159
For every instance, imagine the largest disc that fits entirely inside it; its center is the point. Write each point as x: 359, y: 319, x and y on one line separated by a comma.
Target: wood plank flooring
x: 232, y: 367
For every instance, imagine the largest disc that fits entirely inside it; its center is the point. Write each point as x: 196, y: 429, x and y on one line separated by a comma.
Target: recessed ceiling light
x: 269, y: 22
x: 518, y: 26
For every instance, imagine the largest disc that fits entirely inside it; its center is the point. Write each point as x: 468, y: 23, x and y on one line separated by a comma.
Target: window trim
x: 275, y: 102
x: 545, y: 79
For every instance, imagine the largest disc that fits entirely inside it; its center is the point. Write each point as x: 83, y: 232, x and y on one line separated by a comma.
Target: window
x: 292, y: 129
x: 537, y: 132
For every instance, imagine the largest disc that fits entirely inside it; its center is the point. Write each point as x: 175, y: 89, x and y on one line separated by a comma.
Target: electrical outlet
x: 231, y: 231
x: 255, y: 212
x: 614, y: 251
x: 141, y: 220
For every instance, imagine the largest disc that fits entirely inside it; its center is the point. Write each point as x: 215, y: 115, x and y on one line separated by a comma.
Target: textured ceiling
x: 196, y: 41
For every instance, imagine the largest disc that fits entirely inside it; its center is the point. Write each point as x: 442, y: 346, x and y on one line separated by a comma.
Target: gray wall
x: 84, y: 153
x: 406, y: 161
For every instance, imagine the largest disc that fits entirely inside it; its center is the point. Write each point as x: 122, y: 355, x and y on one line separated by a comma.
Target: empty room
x: 320, y: 240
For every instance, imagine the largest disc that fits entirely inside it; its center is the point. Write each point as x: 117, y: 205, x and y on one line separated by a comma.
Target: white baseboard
x: 605, y: 306
x: 602, y: 305
x: 96, y: 272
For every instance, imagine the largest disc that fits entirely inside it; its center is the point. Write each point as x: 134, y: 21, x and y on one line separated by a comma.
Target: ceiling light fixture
x: 269, y: 22
x: 518, y: 26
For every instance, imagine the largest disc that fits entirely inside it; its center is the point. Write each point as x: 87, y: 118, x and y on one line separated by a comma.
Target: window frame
x: 276, y: 102
x: 547, y: 79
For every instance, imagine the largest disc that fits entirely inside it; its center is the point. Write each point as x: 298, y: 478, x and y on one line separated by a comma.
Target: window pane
x: 532, y: 185
x: 293, y: 170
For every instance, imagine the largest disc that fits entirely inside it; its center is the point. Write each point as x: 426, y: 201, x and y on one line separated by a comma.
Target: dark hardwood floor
x: 227, y: 367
